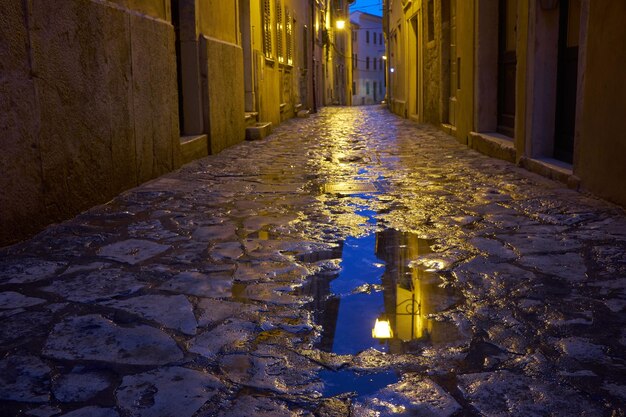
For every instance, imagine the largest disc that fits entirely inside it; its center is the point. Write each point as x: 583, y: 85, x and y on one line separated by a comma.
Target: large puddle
x: 382, y: 298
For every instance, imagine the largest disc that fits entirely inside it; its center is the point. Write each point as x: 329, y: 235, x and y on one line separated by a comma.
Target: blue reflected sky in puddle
x: 342, y: 381
x: 357, y: 312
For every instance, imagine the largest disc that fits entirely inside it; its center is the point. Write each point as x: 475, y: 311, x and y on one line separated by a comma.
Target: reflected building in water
x: 381, y: 283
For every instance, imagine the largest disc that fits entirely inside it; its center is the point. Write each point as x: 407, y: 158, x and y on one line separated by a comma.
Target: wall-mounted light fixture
x: 340, y: 24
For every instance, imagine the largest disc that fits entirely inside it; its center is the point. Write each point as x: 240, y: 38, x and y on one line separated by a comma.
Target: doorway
x: 414, y: 69
x: 567, y: 78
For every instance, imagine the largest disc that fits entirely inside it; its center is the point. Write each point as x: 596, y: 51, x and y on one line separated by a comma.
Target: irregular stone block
x: 79, y: 387
x: 203, y: 285
x: 25, y: 379
x: 172, y: 391
x: 132, y: 251
x: 94, y: 338
x: 95, y: 286
x: 174, y: 312
x: 12, y: 299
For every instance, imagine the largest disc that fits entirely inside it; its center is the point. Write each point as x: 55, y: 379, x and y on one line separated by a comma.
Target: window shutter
x: 267, y: 28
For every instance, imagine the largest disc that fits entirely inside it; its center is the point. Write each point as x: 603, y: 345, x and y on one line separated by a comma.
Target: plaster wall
x: 222, y: 74
x: 541, y: 81
x: 601, y: 155
x: 160, y: 9
x: 91, y: 107
x: 218, y: 19
x: 486, y: 71
x: 465, y: 53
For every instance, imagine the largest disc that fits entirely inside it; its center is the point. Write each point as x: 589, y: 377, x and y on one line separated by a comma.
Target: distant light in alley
x: 382, y: 329
x: 340, y: 24
x: 384, y: 57
x: 392, y: 70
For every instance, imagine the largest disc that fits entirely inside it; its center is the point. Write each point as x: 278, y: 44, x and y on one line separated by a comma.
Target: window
x: 289, y: 36
x: 367, y: 88
x: 353, y: 87
x: 367, y: 63
x: 380, y: 89
x: 356, y: 61
x: 374, y: 88
x: 367, y: 36
x: 279, y: 31
x: 267, y: 29
x: 354, y: 32
x: 353, y: 61
x: 374, y: 64
x: 380, y: 38
x: 374, y: 36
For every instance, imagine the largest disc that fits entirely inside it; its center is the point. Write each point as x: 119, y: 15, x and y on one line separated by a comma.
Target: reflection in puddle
x: 379, y: 283
x: 339, y: 382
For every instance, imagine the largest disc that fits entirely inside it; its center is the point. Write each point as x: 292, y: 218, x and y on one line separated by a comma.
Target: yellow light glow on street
x: 340, y: 24
x: 382, y: 329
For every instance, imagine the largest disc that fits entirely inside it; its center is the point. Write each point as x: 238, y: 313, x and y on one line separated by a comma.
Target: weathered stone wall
x: 432, y: 69
x: 599, y: 158
x: 89, y: 106
x: 224, y: 95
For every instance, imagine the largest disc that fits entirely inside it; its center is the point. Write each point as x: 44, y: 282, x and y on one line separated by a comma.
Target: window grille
x: 289, y: 35
x: 267, y: 29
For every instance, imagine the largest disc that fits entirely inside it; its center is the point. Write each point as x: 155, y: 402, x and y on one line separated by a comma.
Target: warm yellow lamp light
x: 382, y: 329
x: 340, y: 24
x: 384, y: 57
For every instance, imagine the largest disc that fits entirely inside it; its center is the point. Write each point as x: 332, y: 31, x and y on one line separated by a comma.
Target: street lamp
x: 340, y: 24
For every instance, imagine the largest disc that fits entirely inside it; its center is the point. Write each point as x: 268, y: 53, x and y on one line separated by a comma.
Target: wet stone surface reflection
x: 351, y: 264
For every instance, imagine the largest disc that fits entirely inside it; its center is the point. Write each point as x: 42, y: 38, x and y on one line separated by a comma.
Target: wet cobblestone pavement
x: 248, y: 284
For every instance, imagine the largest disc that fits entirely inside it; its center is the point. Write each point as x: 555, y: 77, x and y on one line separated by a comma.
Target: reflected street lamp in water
x: 409, y: 307
x: 382, y: 328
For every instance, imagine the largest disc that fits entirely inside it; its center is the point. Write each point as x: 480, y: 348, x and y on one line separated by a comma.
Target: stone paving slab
x: 207, y: 292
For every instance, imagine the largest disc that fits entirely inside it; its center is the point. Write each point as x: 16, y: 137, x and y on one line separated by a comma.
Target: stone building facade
x: 368, y: 58
x: 536, y: 83
x: 98, y: 96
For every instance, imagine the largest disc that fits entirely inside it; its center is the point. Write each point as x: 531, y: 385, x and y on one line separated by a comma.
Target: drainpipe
x: 313, y: 68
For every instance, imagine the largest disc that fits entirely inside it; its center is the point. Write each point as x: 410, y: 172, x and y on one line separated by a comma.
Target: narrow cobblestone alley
x: 249, y: 284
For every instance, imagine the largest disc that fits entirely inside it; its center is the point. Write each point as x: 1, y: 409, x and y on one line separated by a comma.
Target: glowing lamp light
x: 384, y: 57
x: 392, y: 70
x: 340, y: 24
x: 382, y: 329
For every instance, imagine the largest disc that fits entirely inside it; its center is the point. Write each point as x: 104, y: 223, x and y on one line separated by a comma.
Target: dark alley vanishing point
x: 352, y: 263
